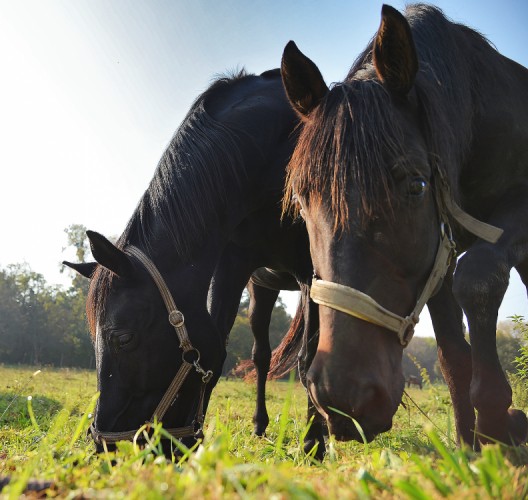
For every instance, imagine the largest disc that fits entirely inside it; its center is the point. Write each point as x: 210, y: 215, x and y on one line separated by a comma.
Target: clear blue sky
x: 92, y: 91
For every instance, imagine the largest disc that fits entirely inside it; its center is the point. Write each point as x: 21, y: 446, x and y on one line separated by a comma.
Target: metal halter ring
x: 191, y: 350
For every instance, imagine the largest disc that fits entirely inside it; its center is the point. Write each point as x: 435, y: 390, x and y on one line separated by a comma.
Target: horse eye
x: 417, y: 186
x: 298, y: 204
x: 122, y: 339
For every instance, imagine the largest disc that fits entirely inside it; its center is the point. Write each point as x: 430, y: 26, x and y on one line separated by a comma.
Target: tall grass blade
x: 356, y: 424
x: 450, y: 459
x: 283, y: 421
x: 32, y: 414
x: 81, y: 427
x: 412, y: 490
x: 432, y: 475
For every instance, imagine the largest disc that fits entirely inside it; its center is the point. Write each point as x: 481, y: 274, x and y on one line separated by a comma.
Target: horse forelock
x: 96, y: 299
x: 343, y: 145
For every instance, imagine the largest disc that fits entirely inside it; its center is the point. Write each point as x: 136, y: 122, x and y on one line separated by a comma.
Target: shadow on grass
x: 14, y: 410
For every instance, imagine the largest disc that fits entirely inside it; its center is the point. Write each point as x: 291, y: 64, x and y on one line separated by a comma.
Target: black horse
x: 426, y: 138
x: 298, y: 346
x: 211, y: 209
x: 263, y: 289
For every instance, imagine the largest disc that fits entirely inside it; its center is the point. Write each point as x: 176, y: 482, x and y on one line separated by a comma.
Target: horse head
x: 147, y: 370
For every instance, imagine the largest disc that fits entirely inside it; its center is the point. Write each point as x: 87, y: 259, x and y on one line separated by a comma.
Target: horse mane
x: 203, y: 157
x: 347, y: 136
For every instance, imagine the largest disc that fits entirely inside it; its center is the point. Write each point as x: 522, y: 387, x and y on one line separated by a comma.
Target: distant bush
x: 519, y: 379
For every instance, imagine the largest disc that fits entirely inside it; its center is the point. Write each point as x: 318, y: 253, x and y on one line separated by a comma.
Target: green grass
x: 416, y: 459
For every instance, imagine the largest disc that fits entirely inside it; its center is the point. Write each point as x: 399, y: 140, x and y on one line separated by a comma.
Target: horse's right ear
x: 108, y: 255
x: 85, y: 269
x: 302, y: 80
x: 394, y: 53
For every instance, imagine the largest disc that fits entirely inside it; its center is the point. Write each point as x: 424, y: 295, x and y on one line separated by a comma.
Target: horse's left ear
x: 302, y: 80
x: 86, y: 269
x: 109, y: 256
x: 394, y: 52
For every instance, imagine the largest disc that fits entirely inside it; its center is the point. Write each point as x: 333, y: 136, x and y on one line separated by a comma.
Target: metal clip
x: 206, y: 375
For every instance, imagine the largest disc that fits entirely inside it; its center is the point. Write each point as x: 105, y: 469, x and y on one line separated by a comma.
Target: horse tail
x: 242, y: 369
x: 284, y: 356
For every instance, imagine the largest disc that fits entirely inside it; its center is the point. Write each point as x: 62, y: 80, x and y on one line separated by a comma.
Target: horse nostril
x: 317, y: 394
x: 376, y: 406
x: 310, y: 387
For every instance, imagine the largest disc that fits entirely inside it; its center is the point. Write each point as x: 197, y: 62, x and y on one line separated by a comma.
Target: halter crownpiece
x: 177, y: 320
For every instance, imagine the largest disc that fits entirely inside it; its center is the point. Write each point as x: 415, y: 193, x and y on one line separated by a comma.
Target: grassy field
x: 44, y: 438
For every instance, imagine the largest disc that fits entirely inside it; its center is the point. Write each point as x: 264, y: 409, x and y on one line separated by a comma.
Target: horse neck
x: 190, y: 274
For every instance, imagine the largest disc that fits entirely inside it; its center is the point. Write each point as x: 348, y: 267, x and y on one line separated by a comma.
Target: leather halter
x: 176, y: 319
x: 360, y: 305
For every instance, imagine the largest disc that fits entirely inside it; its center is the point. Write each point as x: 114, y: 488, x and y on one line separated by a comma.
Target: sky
x: 92, y: 91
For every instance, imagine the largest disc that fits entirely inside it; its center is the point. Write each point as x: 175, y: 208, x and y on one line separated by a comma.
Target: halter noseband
x: 176, y: 319
x: 362, y: 306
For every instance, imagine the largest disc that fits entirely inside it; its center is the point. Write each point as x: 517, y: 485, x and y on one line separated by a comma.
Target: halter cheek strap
x: 362, y: 306
x: 177, y: 320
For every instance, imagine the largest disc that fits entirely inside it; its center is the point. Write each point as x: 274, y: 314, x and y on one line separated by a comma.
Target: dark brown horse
x: 414, y: 380
x: 426, y: 139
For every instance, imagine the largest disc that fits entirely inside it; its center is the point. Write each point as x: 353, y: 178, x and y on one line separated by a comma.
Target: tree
x: 12, y: 321
x: 24, y: 292
x: 77, y: 239
x: 42, y: 324
x: 76, y: 235
x: 508, y: 345
x: 77, y: 341
x: 423, y: 351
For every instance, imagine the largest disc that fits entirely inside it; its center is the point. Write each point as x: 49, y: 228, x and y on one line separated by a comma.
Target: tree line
x: 421, y: 353
x: 41, y: 324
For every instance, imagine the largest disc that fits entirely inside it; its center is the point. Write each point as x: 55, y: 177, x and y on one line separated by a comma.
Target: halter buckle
x: 176, y: 319
x: 406, y: 332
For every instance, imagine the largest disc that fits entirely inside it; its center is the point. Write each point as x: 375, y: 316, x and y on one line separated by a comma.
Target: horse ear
x: 394, y: 53
x: 86, y: 269
x: 302, y: 80
x: 108, y: 255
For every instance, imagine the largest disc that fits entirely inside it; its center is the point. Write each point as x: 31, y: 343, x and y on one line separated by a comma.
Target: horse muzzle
x: 354, y: 411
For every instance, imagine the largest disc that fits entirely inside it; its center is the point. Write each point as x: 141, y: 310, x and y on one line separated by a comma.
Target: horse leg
x: 454, y: 355
x: 225, y: 290
x: 261, y: 303
x: 316, y: 433
x: 481, y: 280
